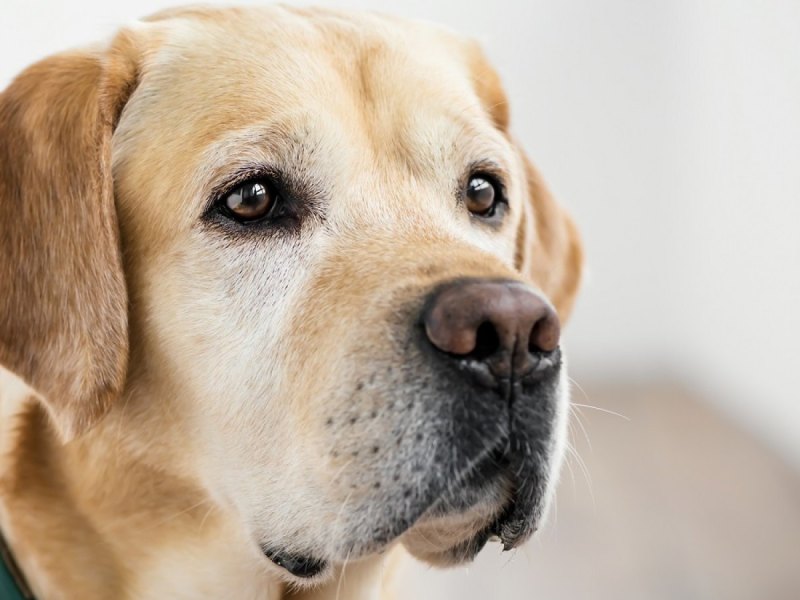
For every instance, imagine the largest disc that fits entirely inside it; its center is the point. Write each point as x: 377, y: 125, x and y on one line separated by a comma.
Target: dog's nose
x: 503, y: 324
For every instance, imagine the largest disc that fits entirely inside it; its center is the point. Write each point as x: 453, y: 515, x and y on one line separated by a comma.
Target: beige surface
x: 685, y: 507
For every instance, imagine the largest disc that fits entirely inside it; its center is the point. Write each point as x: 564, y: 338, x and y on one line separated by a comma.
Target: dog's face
x: 341, y: 274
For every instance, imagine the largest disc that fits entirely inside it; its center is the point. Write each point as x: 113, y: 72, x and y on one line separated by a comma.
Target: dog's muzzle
x: 473, y: 432
x: 502, y: 337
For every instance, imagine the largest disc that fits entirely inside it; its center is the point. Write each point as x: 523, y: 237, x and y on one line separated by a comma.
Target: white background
x: 671, y: 130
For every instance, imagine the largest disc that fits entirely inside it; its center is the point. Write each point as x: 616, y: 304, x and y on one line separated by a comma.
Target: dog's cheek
x: 210, y: 325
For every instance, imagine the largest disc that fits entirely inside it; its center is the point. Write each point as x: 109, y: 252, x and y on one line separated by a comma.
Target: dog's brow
x: 270, y: 147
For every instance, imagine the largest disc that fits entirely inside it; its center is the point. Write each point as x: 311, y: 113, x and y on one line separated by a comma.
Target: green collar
x: 12, y: 583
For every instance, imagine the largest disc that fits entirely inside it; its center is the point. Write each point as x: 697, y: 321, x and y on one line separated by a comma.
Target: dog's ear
x: 548, y: 250
x: 63, y: 302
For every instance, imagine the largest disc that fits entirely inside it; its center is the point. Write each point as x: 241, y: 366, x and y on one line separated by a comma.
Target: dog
x: 280, y: 294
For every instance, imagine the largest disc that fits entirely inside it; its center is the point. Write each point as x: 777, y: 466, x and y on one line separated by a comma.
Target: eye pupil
x: 250, y: 201
x: 481, y: 196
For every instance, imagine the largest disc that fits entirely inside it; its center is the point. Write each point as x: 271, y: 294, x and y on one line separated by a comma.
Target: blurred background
x: 671, y: 130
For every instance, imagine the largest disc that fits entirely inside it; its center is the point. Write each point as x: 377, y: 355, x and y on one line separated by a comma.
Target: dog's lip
x: 516, y: 519
x: 302, y: 566
x: 511, y: 528
x: 521, y: 516
x: 511, y: 517
x: 514, y: 525
x: 503, y: 528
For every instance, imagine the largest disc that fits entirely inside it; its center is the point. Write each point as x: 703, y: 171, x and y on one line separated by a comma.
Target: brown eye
x: 482, y: 196
x: 250, y: 201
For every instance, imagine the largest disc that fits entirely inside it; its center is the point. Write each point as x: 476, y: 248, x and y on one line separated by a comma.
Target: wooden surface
x: 681, y: 506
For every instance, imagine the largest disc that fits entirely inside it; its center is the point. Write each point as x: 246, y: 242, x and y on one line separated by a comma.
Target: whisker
x: 511, y: 556
x: 181, y: 512
x: 342, y: 576
x: 578, y: 419
x: 340, y: 514
x: 571, y: 451
x: 580, y: 388
x: 208, y: 513
x: 341, y: 469
x: 555, y: 510
x: 603, y: 410
x: 571, y: 472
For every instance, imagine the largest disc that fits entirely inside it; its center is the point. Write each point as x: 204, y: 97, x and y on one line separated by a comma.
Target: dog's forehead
x: 346, y: 93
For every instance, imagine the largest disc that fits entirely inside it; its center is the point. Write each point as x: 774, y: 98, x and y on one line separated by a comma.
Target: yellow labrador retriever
x: 284, y: 293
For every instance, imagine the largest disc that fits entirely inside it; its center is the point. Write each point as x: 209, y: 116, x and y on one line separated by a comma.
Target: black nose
x: 504, y: 325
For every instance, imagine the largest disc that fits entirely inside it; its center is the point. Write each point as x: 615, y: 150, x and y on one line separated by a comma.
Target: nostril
x: 491, y: 322
x: 487, y: 342
x: 545, y: 334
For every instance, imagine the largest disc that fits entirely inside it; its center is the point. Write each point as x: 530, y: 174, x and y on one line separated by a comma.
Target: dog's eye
x: 250, y: 201
x: 482, y: 196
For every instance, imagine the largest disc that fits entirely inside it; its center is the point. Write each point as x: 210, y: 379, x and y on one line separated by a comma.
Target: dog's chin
x: 452, y: 531
x: 503, y: 495
x: 505, y: 498
x: 450, y: 539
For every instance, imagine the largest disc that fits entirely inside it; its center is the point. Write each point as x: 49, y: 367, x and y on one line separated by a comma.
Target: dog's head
x: 307, y: 250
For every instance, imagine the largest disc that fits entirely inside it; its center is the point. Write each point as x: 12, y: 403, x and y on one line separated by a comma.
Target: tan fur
x: 63, y: 320
x: 554, y: 260
x: 186, y: 375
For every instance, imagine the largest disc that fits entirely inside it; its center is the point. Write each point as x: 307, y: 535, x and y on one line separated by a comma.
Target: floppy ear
x: 63, y: 303
x: 548, y: 250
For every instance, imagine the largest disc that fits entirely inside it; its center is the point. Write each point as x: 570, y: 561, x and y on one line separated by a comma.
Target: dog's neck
x: 93, y: 520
